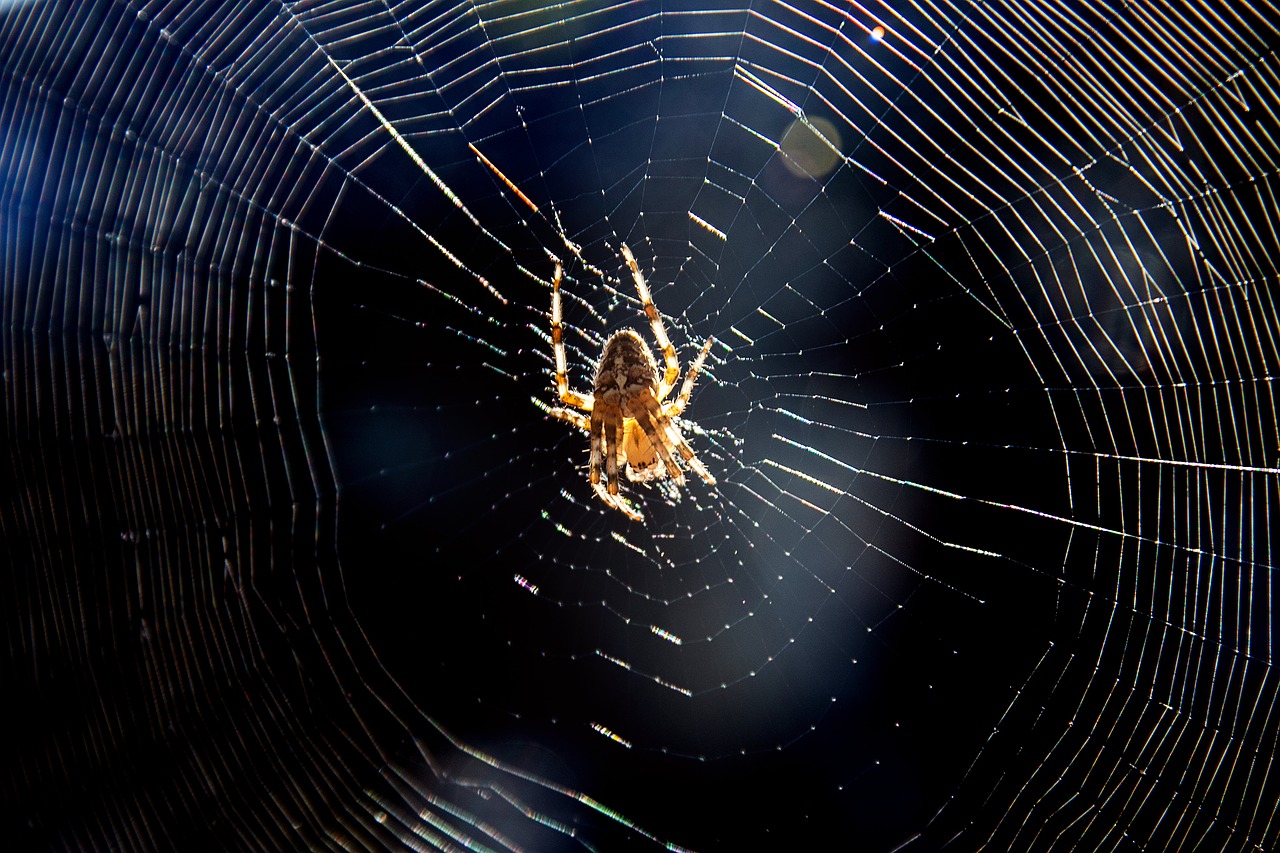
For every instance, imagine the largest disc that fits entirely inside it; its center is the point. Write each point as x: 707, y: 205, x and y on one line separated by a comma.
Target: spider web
x: 298, y: 558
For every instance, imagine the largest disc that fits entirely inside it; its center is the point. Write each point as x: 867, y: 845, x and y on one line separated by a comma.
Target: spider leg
x: 576, y: 418
x: 618, y: 502
x: 598, y: 426
x: 696, y: 464
x: 660, y: 433
x: 676, y: 406
x: 655, y: 322
x: 596, y: 429
x: 668, y: 440
x: 610, y: 433
x: 568, y: 397
x: 614, y: 455
x: 619, y: 447
x: 686, y: 452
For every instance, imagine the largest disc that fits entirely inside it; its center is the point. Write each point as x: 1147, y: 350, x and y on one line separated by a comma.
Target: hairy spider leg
x: 690, y: 458
x: 597, y: 450
x: 655, y: 323
x: 617, y: 502
x: 676, y: 406
x: 616, y: 459
x: 663, y: 432
x: 576, y: 418
x: 567, y: 396
x: 696, y: 464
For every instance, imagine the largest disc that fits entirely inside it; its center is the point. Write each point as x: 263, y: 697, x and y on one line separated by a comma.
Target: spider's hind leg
x: 614, y: 458
x: 619, y: 448
x: 618, y: 502
x: 596, y: 430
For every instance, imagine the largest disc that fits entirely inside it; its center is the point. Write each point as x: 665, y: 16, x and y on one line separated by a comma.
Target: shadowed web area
x: 296, y: 555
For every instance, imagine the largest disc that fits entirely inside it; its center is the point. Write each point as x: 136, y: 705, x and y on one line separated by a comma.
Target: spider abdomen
x: 626, y: 371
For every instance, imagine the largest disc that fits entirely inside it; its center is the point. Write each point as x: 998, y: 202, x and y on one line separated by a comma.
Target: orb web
x: 298, y: 556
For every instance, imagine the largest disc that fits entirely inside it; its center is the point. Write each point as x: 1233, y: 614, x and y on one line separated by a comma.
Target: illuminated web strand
x: 574, y: 248
x: 1072, y: 522
x: 511, y: 186
x: 434, y: 178
x: 616, y: 661
x: 592, y: 803
x: 707, y: 226
x: 403, y: 143
x: 349, y: 176
x: 616, y: 738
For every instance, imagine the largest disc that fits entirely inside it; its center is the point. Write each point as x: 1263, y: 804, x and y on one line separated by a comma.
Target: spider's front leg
x: 672, y: 372
x: 567, y: 396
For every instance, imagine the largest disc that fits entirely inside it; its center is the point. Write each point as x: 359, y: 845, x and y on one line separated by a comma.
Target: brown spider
x: 629, y: 424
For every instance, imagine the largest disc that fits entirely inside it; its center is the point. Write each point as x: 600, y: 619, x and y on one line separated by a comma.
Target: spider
x: 629, y: 423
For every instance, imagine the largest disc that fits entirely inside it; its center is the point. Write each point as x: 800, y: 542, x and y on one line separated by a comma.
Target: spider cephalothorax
x: 630, y: 425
